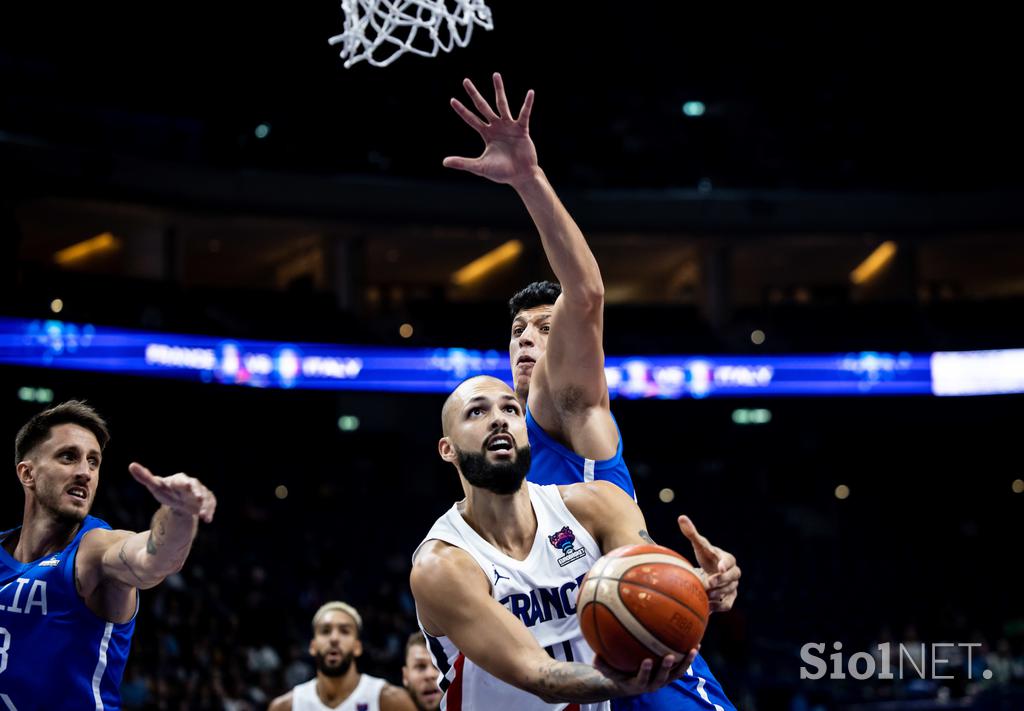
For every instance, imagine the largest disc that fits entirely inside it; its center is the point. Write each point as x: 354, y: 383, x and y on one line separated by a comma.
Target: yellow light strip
x: 86, y: 248
x: 869, y: 268
x: 481, y: 266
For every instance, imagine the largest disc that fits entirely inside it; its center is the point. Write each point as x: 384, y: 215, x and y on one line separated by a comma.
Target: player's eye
x: 517, y: 331
x: 93, y: 462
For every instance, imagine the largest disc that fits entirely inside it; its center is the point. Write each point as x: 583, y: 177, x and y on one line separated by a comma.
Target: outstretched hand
x: 721, y: 575
x: 179, y: 492
x: 509, y: 155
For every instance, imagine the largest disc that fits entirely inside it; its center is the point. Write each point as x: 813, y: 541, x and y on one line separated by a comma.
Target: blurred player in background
x: 419, y: 675
x: 557, y: 356
x: 338, y: 684
x: 69, y: 585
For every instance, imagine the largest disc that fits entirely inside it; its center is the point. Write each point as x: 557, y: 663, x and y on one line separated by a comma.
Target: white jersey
x: 365, y: 697
x: 541, y: 591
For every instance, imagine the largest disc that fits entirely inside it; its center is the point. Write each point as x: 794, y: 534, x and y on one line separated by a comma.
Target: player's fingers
x: 643, y: 674
x: 726, y: 560
x: 460, y: 163
x: 500, y: 98
x: 722, y: 590
x: 690, y: 531
x: 723, y: 605
x: 720, y: 579
x: 664, y: 673
x: 526, y: 110
x: 479, y: 101
x: 210, y: 507
x: 469, y: 117
x: 142, y: 475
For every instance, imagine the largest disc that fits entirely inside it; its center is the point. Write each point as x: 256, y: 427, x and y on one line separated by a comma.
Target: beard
x: 339, y: 669
x: 503, y: 478
x: 50, y: 495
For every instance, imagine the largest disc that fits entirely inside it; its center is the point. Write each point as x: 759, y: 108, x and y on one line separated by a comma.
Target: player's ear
x: 358, y: 649
x: 25, y: 474
x: 446, y: 449
x: 312, y: 651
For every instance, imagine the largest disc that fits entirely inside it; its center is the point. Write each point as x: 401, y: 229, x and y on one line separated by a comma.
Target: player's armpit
x: 395, y: 698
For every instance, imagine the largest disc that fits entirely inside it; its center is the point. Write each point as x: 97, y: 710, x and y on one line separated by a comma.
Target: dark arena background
x: 810, y: 233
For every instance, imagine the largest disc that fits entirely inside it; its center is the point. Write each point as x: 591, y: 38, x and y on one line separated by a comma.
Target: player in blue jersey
x: 68, y: 583
x: 557, y: 357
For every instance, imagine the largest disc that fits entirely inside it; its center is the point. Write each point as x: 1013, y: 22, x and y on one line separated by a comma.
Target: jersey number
x: 5, y: 644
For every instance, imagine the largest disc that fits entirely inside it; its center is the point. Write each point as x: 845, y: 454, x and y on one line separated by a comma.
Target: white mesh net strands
x: 380, y: 31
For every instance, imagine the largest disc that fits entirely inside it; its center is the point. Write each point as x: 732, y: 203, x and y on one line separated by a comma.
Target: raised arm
x: 112, y: 564
x: 615, y: 520
x: 453, y: 599
x: 574, y: 361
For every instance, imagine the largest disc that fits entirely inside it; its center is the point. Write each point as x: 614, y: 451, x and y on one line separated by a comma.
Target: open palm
x: 509, y: 155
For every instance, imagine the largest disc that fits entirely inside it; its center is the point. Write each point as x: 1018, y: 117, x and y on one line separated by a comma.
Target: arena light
x: 56, y: 306
x: 348, y: 423
x: 875, y: 262
x: 758, y: 416
x: 998, y: 372
x: 482, y: 266
x: 693, y: 109
x: 40, y: 395
x: 79, y: 251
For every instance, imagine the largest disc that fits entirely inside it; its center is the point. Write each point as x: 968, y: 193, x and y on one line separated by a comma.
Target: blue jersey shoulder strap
x: 554, y: 463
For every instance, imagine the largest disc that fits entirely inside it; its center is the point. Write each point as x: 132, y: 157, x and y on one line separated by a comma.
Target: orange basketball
x: 641, y: 602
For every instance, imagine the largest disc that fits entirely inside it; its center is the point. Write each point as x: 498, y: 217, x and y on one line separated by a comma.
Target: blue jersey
x: 55, y: 653
x: 553, y: 463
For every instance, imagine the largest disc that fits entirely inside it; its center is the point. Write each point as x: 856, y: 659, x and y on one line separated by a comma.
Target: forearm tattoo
x: 124, y: 559
x: 646, y: 536
x: 578, y: 683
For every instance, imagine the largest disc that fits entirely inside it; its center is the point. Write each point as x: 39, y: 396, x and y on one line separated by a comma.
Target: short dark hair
x: 414, y: 639
x: 75, y: 412
x: 539, y: 293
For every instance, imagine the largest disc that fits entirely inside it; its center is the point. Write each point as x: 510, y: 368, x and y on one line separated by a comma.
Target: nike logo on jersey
x: 51, y: 563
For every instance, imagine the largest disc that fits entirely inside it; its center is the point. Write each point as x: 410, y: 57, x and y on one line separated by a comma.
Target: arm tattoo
x: 646, y: 536
x: 124, y: 559
x: 579, y: 683
x: 151, y: 544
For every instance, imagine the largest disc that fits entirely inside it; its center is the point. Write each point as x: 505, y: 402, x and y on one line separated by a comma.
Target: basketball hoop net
x: 380, y: 31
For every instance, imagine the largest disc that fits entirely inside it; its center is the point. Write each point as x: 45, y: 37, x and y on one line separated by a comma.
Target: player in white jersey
x: 338, y: 684
x: 495, y: 579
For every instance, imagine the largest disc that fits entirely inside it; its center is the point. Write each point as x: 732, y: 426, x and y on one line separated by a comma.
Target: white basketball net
x: 380, y: 31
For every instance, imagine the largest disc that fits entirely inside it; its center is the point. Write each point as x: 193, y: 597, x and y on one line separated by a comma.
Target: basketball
x: 642, y: 602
